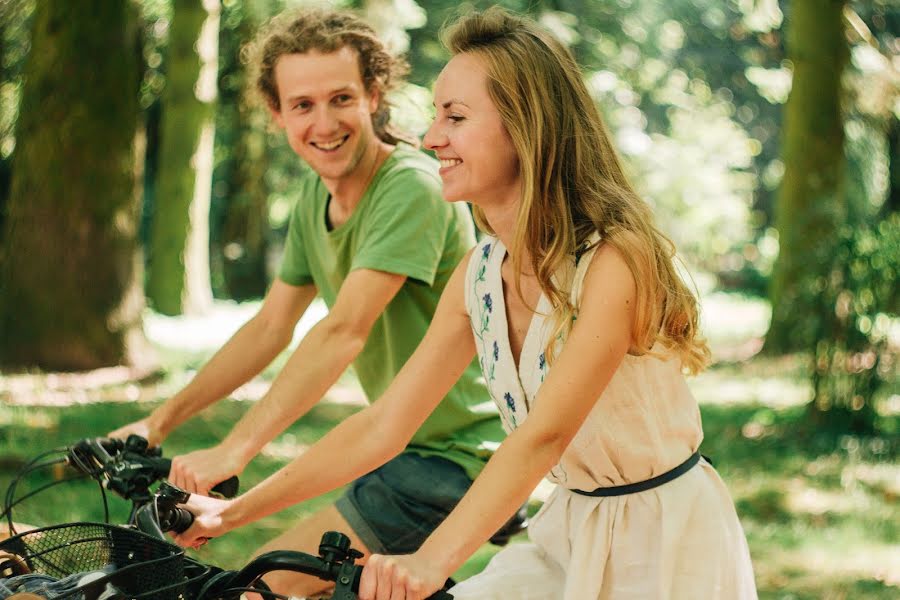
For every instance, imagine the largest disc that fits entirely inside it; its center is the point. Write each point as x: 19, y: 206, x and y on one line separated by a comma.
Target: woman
x: 583, y: 328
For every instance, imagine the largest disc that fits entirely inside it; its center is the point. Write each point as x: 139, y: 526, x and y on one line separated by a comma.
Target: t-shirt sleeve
x: 294, y: 264
x: 408, y: 228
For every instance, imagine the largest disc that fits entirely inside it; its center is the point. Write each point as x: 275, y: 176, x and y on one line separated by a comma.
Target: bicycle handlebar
x: 130, y: 467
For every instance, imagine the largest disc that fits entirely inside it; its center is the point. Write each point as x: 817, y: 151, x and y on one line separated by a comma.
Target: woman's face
x: 478, y: 160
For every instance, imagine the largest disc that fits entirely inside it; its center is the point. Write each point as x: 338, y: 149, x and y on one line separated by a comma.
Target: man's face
x: 325, y: 110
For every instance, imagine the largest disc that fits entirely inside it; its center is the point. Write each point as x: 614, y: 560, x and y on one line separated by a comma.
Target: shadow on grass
x: 819, y: 509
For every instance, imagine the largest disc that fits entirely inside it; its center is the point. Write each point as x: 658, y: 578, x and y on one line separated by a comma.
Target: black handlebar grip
x: 180, y: 519
x: 226, y: 489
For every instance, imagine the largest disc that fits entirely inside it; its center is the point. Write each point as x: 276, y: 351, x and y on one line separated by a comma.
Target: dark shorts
x: 395, y: 507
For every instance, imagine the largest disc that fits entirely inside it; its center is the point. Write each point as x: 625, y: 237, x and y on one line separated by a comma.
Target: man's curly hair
x: 326, y: 31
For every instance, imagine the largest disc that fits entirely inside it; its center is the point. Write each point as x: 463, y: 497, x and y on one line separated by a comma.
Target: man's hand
x: 199, y: 471
x: 407, y: 577
x: 143, y: 428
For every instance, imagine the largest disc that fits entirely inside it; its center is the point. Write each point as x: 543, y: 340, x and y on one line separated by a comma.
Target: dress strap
x: 583, y: 256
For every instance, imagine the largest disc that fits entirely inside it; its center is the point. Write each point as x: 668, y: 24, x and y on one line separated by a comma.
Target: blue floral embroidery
x: 496, y: 351
x: 509, y: 401
x: 542, y: 361
x: 481, y: 321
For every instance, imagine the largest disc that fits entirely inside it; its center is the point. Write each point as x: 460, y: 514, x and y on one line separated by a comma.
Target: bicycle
x: 136, y: 560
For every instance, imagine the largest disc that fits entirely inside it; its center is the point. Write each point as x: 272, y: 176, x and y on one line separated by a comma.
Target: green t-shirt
x: 401, y: 225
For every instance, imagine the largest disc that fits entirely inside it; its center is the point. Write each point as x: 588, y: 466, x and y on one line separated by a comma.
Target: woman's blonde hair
x: 572, y: 181
x: 325, y: 30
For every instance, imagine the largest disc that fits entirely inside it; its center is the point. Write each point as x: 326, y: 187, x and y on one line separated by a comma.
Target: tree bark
x: 68, y: 271
x: 811, y: 200
x: 178, y: 278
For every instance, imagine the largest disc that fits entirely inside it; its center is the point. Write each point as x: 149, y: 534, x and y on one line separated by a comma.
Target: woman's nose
x: 434, y: 138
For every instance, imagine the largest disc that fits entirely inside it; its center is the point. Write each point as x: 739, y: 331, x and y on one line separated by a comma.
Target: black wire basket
x: 138, y: 565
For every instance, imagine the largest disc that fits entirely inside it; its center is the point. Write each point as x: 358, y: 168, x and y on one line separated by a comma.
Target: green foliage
x: 854, y: 356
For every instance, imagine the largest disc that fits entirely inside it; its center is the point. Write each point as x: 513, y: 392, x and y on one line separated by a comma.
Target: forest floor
x: 821, y: 513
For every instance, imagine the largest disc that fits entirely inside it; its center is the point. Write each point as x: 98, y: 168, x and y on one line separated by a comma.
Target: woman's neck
x: 502, y: 214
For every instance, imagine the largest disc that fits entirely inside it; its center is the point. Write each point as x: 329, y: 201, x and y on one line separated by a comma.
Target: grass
x: 820, y: 511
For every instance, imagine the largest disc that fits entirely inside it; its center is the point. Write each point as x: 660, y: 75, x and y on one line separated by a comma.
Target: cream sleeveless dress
x: 681, y: 540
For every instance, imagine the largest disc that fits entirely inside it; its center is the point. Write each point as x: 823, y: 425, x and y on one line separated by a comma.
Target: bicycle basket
x: 139, y: 565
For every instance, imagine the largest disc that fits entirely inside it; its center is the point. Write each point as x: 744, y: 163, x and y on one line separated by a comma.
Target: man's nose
x: 326, y: 120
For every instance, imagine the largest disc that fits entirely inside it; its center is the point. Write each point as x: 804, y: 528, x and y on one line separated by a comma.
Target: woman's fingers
x: 389, y: 578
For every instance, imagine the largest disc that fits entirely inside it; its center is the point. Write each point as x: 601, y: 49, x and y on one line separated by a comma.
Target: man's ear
x: 374, y: 98
x: 275, y: 113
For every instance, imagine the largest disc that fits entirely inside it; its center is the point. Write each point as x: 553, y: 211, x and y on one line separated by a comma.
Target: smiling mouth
x: 330, y: 146
x: 446, y: 163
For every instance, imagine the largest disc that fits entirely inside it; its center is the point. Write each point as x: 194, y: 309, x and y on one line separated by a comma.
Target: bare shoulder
x: 609, y: 276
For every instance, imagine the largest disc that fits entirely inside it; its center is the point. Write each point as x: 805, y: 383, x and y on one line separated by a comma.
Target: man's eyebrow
x: 341, y: 90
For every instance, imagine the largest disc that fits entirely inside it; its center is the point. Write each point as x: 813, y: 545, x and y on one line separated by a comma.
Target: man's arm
x: 322, y: 356
x: 366, y: 439
x: 243, y: 357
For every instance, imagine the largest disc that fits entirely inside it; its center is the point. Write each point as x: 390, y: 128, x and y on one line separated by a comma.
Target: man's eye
x: 302, y: 106
x: 343, y: 98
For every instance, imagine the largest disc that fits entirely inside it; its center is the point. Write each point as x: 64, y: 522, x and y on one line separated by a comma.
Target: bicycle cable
x: 263, y: 593
x: 29, y: 467
x: 10, y: 501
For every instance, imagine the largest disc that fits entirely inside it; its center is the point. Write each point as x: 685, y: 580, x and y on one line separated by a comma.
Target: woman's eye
x: 456, y: 118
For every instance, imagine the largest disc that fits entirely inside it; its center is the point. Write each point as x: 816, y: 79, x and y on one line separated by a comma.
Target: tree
x: 68, y: 269
x: 239, y: 215
x: 811, y: 199
x: 178, y: 261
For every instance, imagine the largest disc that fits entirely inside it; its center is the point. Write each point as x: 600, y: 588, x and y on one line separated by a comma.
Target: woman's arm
x: 365, y: 440
x: 593, y: 351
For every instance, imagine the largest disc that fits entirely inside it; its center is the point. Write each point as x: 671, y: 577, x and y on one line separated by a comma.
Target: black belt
x: 643, y: 486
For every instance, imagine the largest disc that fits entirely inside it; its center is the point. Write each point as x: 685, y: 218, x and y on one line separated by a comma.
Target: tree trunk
x: 241, y: 198
x: 69, y: 270
x: 811, y: 202
x: 179, y: 254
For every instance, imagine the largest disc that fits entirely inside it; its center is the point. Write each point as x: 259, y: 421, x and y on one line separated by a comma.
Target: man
x: 372, y: 236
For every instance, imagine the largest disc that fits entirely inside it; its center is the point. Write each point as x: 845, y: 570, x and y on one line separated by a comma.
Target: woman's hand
x: 407, y: 577
x: 208, y: 521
